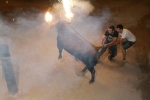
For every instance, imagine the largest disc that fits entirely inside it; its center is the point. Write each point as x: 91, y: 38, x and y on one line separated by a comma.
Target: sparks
x: 67, y: 4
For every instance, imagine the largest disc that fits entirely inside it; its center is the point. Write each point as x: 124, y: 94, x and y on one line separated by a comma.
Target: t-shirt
x: 111, y: 36
x: 127, y: 35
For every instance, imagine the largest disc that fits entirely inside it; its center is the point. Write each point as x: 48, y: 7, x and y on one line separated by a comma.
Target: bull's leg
x: 92, y: 70
x: 60, y: 54
x: 60, y: 48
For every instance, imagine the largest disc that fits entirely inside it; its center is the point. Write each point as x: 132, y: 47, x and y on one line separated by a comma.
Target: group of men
x: 113, y: 37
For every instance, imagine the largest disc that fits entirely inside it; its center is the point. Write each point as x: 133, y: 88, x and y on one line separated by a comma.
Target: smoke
x: 82, y: 7
x: 85, y: 22
x: 28, y: 46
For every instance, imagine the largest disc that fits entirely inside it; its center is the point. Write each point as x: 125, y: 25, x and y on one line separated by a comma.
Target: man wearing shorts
x: 127, y: 39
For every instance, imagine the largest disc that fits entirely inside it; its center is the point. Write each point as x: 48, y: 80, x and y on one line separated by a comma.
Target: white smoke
x: 82, y: 7
x: 84, y: 21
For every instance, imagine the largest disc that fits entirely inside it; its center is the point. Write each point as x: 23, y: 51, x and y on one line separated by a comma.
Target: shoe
x: 109, y: 58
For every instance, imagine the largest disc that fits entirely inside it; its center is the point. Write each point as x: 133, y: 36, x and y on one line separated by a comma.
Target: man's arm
x: 119, y: 40
x: 112, y: 42
x: 103, y: 39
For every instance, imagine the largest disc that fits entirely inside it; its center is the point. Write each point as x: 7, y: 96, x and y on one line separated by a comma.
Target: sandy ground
x: 40, y: 75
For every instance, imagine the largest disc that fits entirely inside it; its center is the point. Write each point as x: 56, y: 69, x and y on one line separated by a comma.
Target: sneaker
x: 109, y: 58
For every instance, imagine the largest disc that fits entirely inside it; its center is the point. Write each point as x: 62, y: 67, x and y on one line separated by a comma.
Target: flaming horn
x: 48, y: 16
x: 67, y: 4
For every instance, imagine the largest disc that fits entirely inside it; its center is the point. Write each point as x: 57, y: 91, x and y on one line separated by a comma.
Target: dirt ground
x: 40, y: 75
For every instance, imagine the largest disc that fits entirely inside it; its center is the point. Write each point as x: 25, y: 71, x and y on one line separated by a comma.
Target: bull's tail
x: 97, y: 48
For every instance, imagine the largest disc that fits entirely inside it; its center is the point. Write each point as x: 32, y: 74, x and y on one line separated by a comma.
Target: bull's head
x: 62, y: 12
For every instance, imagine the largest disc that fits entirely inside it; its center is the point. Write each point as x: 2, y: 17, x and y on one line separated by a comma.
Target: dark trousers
x: 112, y: 51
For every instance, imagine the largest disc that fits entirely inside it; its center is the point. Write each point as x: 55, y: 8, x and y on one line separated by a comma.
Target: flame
x: 67, y: 4
x: 48, y: 17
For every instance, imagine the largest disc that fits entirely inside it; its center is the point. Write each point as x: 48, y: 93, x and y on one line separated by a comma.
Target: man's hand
x: 105, y: 45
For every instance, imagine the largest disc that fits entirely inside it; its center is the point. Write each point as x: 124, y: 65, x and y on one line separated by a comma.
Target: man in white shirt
x: 127, y: 39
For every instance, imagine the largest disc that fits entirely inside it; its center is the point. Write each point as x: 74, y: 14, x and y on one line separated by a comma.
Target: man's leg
x: 102, y: 50
x: 124, y: 54
x: 125, y: 46
x: 113, y: 52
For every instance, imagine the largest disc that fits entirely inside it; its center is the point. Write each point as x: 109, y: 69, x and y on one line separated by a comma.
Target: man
x: 108, y: 40
x: 127, y: 39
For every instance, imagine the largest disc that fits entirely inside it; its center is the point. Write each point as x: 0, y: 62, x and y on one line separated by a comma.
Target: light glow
x: 48, y: 17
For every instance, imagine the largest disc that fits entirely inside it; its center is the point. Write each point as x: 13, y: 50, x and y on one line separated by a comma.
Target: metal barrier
x: 7, y: 69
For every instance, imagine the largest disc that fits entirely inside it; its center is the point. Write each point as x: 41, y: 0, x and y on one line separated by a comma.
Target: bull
x: 69, y: 40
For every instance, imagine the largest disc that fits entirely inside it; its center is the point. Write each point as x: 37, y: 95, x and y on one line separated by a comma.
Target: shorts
x: 127, y: 44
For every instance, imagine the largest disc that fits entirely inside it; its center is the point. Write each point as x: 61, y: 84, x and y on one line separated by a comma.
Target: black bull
x: 69, y: 40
